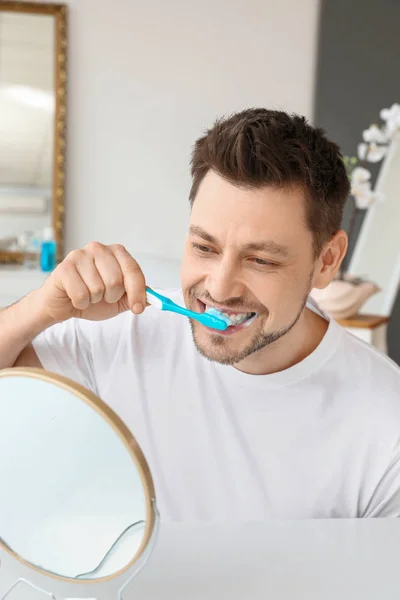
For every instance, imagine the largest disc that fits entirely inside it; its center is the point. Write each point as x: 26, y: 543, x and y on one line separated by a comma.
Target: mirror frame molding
x: 124, y: 575
x: 59, y: 11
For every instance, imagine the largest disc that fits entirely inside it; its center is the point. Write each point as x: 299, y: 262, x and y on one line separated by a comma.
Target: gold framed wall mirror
x: 33, y: 87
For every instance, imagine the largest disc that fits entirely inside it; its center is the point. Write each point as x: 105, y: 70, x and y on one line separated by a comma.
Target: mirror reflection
x: 27, y: 130
x: 73, y: 500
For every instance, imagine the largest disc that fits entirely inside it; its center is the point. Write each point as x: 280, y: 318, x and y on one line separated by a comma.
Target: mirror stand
x: 17, y: 573
x: 23, y: 582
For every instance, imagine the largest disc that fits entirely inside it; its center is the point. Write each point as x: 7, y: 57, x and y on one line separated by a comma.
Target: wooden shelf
x: 364, y: 321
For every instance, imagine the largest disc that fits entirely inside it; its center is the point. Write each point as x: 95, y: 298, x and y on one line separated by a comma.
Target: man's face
x: 247, y: 251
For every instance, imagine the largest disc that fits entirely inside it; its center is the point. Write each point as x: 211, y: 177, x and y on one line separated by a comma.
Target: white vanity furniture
x: 17, y: 281
x: 370, y: 328
x: 277, y: 560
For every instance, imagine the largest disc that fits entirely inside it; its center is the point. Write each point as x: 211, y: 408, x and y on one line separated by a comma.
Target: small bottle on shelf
x: 48, y: 250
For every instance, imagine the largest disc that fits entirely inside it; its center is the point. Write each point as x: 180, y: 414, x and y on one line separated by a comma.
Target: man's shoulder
x: 358, y: 360
x: 371, y: 377
x: 372, y: 361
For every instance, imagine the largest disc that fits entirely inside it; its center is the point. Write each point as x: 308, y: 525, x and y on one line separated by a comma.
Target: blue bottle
x: 48, y: 251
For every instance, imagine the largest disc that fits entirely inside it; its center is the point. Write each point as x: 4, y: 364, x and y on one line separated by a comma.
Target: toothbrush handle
x: 151, y: 292
x: 172, y: 307
x: 205, y: 319
x: 168, y: 304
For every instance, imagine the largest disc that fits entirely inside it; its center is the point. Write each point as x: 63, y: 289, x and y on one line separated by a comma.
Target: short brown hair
x: 259, y: 147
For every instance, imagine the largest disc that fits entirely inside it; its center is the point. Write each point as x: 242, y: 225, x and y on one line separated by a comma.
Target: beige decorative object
x: 344, y: 298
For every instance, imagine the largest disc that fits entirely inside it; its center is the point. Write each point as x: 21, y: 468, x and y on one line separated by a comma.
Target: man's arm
x: 385, y: 501
x: 95, y: 283
x: 20, y: 323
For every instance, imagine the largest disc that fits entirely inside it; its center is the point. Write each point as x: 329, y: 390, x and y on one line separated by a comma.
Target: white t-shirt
x: 318, y: 440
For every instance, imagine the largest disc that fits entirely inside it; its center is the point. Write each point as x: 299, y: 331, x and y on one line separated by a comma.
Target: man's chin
x: 219, y: 348
x: 220, y: 355
x: 231, y: 350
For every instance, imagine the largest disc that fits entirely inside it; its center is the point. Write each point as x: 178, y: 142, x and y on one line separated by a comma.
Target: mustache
x: 233, y: 303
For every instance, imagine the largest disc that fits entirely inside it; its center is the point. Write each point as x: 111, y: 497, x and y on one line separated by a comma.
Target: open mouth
x: 234, y: 320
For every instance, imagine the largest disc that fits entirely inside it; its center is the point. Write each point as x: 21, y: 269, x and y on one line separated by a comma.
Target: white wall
x: 145, y: 79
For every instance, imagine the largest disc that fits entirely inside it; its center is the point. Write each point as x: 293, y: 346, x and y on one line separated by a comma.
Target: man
x: 285, y: 415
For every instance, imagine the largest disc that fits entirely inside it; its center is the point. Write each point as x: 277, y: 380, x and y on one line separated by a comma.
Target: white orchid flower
x: 363, y: 201
x: 363, y: 195
x: 361, y: 187
x: 388, y: 113
x: 361, y: 190
x: 375, y: 134
x: 376, y: 153
x: 392, y: 118
x: 362, y: 151
x: 360, y: 175
x: 375, y: 145
x: 393, y: 126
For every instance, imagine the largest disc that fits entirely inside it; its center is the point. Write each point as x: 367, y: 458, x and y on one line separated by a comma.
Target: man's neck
x: 290, y: 349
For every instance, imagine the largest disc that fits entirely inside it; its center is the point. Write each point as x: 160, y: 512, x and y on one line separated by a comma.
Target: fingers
x: 74, y: 286
x: 133, y: 278
x: 110, y: 273
x: 99, y: 272
x: 91, y: 276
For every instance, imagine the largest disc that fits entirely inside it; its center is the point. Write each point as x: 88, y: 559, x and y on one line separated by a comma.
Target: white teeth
x: 235, y: 319
x: 250, y: 321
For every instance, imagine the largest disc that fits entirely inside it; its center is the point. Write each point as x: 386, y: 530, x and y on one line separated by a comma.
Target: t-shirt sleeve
x: 385, y: 501
x: 66, y: 349
x: 92, y: 353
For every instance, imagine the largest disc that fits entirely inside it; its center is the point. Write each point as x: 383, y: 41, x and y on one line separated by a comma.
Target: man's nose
x: 223, y: 281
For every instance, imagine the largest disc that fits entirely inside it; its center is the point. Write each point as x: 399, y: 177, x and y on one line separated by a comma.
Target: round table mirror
x: 77, y: 499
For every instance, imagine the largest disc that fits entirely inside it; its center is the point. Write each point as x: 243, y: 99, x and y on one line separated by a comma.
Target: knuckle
x: 119, y: 248
x: 94, y: 247
x: 80, y: 297
x: 97, y: 290
x: 114, y: 281
x: 73, y: 256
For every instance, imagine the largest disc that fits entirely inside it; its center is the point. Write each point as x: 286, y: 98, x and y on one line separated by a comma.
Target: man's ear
x: 330, y: 260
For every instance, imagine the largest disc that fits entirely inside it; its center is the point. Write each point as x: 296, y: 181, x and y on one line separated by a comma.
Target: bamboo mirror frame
x: 59, y: 12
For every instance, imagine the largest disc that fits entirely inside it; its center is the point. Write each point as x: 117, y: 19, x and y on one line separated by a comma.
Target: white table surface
x: 310, y: 560
x: 280, y: 560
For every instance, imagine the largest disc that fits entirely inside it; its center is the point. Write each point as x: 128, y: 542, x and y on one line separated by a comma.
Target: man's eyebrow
x: 269, y: 247
x: 199, y: 232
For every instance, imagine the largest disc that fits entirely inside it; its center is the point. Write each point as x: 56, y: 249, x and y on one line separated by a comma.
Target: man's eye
x: 262, y: 262
x: 202, y: 249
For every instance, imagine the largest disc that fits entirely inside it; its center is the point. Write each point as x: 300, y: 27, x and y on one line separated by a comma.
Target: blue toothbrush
x: 164, y: 303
